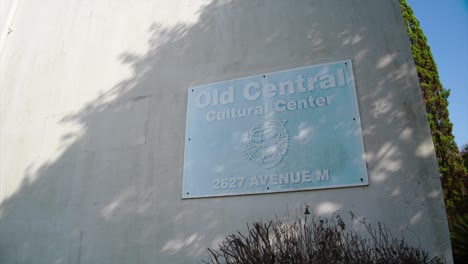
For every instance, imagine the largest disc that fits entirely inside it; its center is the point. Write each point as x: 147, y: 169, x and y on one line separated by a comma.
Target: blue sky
x: 445, y: 24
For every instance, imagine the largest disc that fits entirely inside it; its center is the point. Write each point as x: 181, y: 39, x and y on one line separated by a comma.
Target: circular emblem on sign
x: 266, y: 143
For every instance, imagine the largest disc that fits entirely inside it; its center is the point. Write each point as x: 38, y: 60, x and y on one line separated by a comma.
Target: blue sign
x: 291, y: 130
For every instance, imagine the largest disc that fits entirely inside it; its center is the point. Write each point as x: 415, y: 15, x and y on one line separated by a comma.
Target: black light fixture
x: 307, y: 210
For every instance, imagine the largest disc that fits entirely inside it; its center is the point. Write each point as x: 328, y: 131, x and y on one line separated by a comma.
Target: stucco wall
x: 7, y: 12
x: 5, y: 8
x: 92, y: 122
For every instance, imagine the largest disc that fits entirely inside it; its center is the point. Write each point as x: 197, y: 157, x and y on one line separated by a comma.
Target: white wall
x: 92, y: 122
x: 7, y: 14
x: 5, y: 9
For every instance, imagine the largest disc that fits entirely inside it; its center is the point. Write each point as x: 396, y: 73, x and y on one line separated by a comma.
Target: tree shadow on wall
x: 113, y: 195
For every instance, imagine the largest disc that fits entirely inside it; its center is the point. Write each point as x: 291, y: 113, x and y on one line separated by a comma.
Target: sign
x: 291, y: 130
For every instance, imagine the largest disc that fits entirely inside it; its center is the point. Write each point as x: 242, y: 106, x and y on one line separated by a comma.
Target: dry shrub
x: 319, y: 240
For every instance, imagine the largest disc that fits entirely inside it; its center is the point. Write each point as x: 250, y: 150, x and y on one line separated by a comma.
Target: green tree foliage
x: 459, y: 236
x: 464, y: 154
x: 451, y: 166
